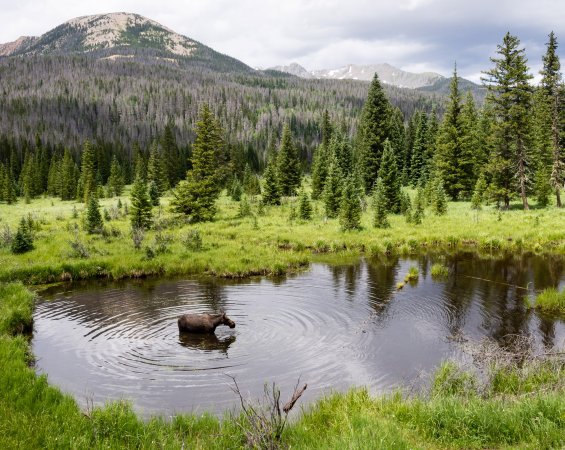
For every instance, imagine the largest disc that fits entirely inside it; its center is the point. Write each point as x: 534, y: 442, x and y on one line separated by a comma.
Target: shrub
x: 192, y: 240
x: 23, y: 241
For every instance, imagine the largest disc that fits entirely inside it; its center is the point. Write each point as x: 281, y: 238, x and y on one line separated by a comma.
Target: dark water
x: 334, y: 326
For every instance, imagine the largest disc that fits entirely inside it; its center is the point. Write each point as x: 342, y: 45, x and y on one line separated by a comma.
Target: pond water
x: 332, y: 326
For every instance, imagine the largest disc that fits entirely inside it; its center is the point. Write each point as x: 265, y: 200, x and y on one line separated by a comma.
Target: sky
x: 414, y: 35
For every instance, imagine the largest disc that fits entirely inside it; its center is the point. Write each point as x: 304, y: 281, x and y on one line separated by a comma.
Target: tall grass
x: 551, y: 300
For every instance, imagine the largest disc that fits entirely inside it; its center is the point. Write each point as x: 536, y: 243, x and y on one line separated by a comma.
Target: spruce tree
x: 438, y: 198
x: 154, y: 194
x: 542, y: 187
x: 418, y: 209
x: 479, y: 192
x: 333, y: 189
x: 157, y: 172
x: 551, y: 87
x: 341, y: 149
x: 304, y: 206
x: 116, y: 179
x: 419, y: 151
x: 235, y: 190
x: 350, y: 207
x: 454, y: 161
x: 87, y: 180
x: 250, y: 182
x: 140, y: 211
x: 271, y: 189
x: 320, y: 158
x: 391, y: 180
x: 510, y: 95
x: 374, y: 128
x: 196, y: 196
x: 94, y: 222
x: 23, y: 240
x: 69, y: 177
x: 288, y: 164
x: 380, y: 206
x: 470, y: 142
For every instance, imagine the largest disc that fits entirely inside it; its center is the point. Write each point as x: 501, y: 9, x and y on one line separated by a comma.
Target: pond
x: 333, y: 326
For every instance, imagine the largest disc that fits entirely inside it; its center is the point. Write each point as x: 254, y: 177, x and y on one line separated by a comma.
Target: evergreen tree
x: 271, y: 189
x: 173, y: 166
x: 251, y: 184
x: 304, y: 206
x: 94, y: 222
x: 116, y: 180
x: 419, y: 151
x: 341, y: 149
x: 419, y: 203
x: 470, y: 141
x: 87, y: 180
x: 154, y: 194
x: 196, y: 196
x: 551, y: 87
x: 140, y: 204
x: 453, y: 161
x: 321, y: 156
x: 510, y: 95
x: 380, y: 206
x: 333, y: 189
x: 479, y: 192
x: 438, y: 198
x: 542, y: 187
x: 391, y: 181
x: 410, y: 137
x: 374, y: 128
x: 398, y: 138
x: 69, y: 175
x: 288, y: 164
x: 23, y: 240
x: 156, y: 170
x: 350, y: 207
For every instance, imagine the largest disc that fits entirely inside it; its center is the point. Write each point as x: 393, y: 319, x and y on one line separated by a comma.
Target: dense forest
x: 72, y: 125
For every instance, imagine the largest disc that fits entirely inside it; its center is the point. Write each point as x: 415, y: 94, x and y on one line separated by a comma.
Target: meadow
x: 509, y: 403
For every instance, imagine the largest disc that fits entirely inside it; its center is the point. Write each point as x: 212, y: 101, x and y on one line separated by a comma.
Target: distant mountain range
x: 429, y: 81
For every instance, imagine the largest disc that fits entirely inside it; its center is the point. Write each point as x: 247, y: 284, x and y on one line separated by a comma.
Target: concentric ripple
x: 333, y: 327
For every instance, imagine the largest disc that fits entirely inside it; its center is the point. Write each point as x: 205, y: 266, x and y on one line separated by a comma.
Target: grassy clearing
x: 551, y: 300
x: 515, y: 406
x: 264, y: 243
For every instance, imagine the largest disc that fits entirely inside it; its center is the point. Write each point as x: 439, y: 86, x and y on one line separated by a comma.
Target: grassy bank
x: 267, y: 242
x: 513, y: 406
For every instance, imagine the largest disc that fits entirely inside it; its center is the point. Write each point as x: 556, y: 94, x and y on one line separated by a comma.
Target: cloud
x: 412, y: 34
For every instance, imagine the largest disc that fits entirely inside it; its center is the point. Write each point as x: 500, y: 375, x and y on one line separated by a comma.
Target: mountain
x: 119, y: 36
x: 387, y: 74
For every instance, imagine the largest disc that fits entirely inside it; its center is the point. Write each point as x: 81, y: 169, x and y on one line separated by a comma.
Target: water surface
x: 333, y: 326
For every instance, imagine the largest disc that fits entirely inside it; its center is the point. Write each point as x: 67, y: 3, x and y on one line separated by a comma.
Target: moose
x: 203, y: 323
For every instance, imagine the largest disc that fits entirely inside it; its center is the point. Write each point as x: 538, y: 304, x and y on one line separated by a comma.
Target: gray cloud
x: 412, y: 34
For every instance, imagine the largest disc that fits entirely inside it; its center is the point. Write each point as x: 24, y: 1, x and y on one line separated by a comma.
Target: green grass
x: 551, y: 300
x: 515, y: 406
x: 258, y: 245
x: 412, y: 275
x: 439, y: 271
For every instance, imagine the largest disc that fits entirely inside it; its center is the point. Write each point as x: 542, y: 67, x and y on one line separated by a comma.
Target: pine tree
x: 551, y: 87
x: 419, y: 151
x: 374, y: 128
x: 438, y: 198
x: 510, y: 95
x: 87, y: 180
x: 418, y: 210
x: 479, y: 192
x: 23, y: 240
x: 390, y: 178
x: 333, y: 189
x: 173, y: 167
x: 140, y: 211
x: 235, y: 190
x: 350, y: 207
x: 288, y: 164
x: 453, y: 160
x: 542, y: 187
x: 304, y: 206
x: 470, y: 141
x: 196, y: 196
x: 380, y: 219
x: 116, y: 179
x: 341, y: 149
x: 154, y: 194
x: 398, y: 139
x: 94, y: 222
x: 271, y: 189
x: 251, y: 184
x: 69, y: 177
x: 156, y: 170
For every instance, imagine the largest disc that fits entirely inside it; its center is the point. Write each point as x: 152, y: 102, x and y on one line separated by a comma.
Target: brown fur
x: 203, y: 323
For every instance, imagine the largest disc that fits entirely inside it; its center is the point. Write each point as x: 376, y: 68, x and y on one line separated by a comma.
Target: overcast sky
x: 415, y: 35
